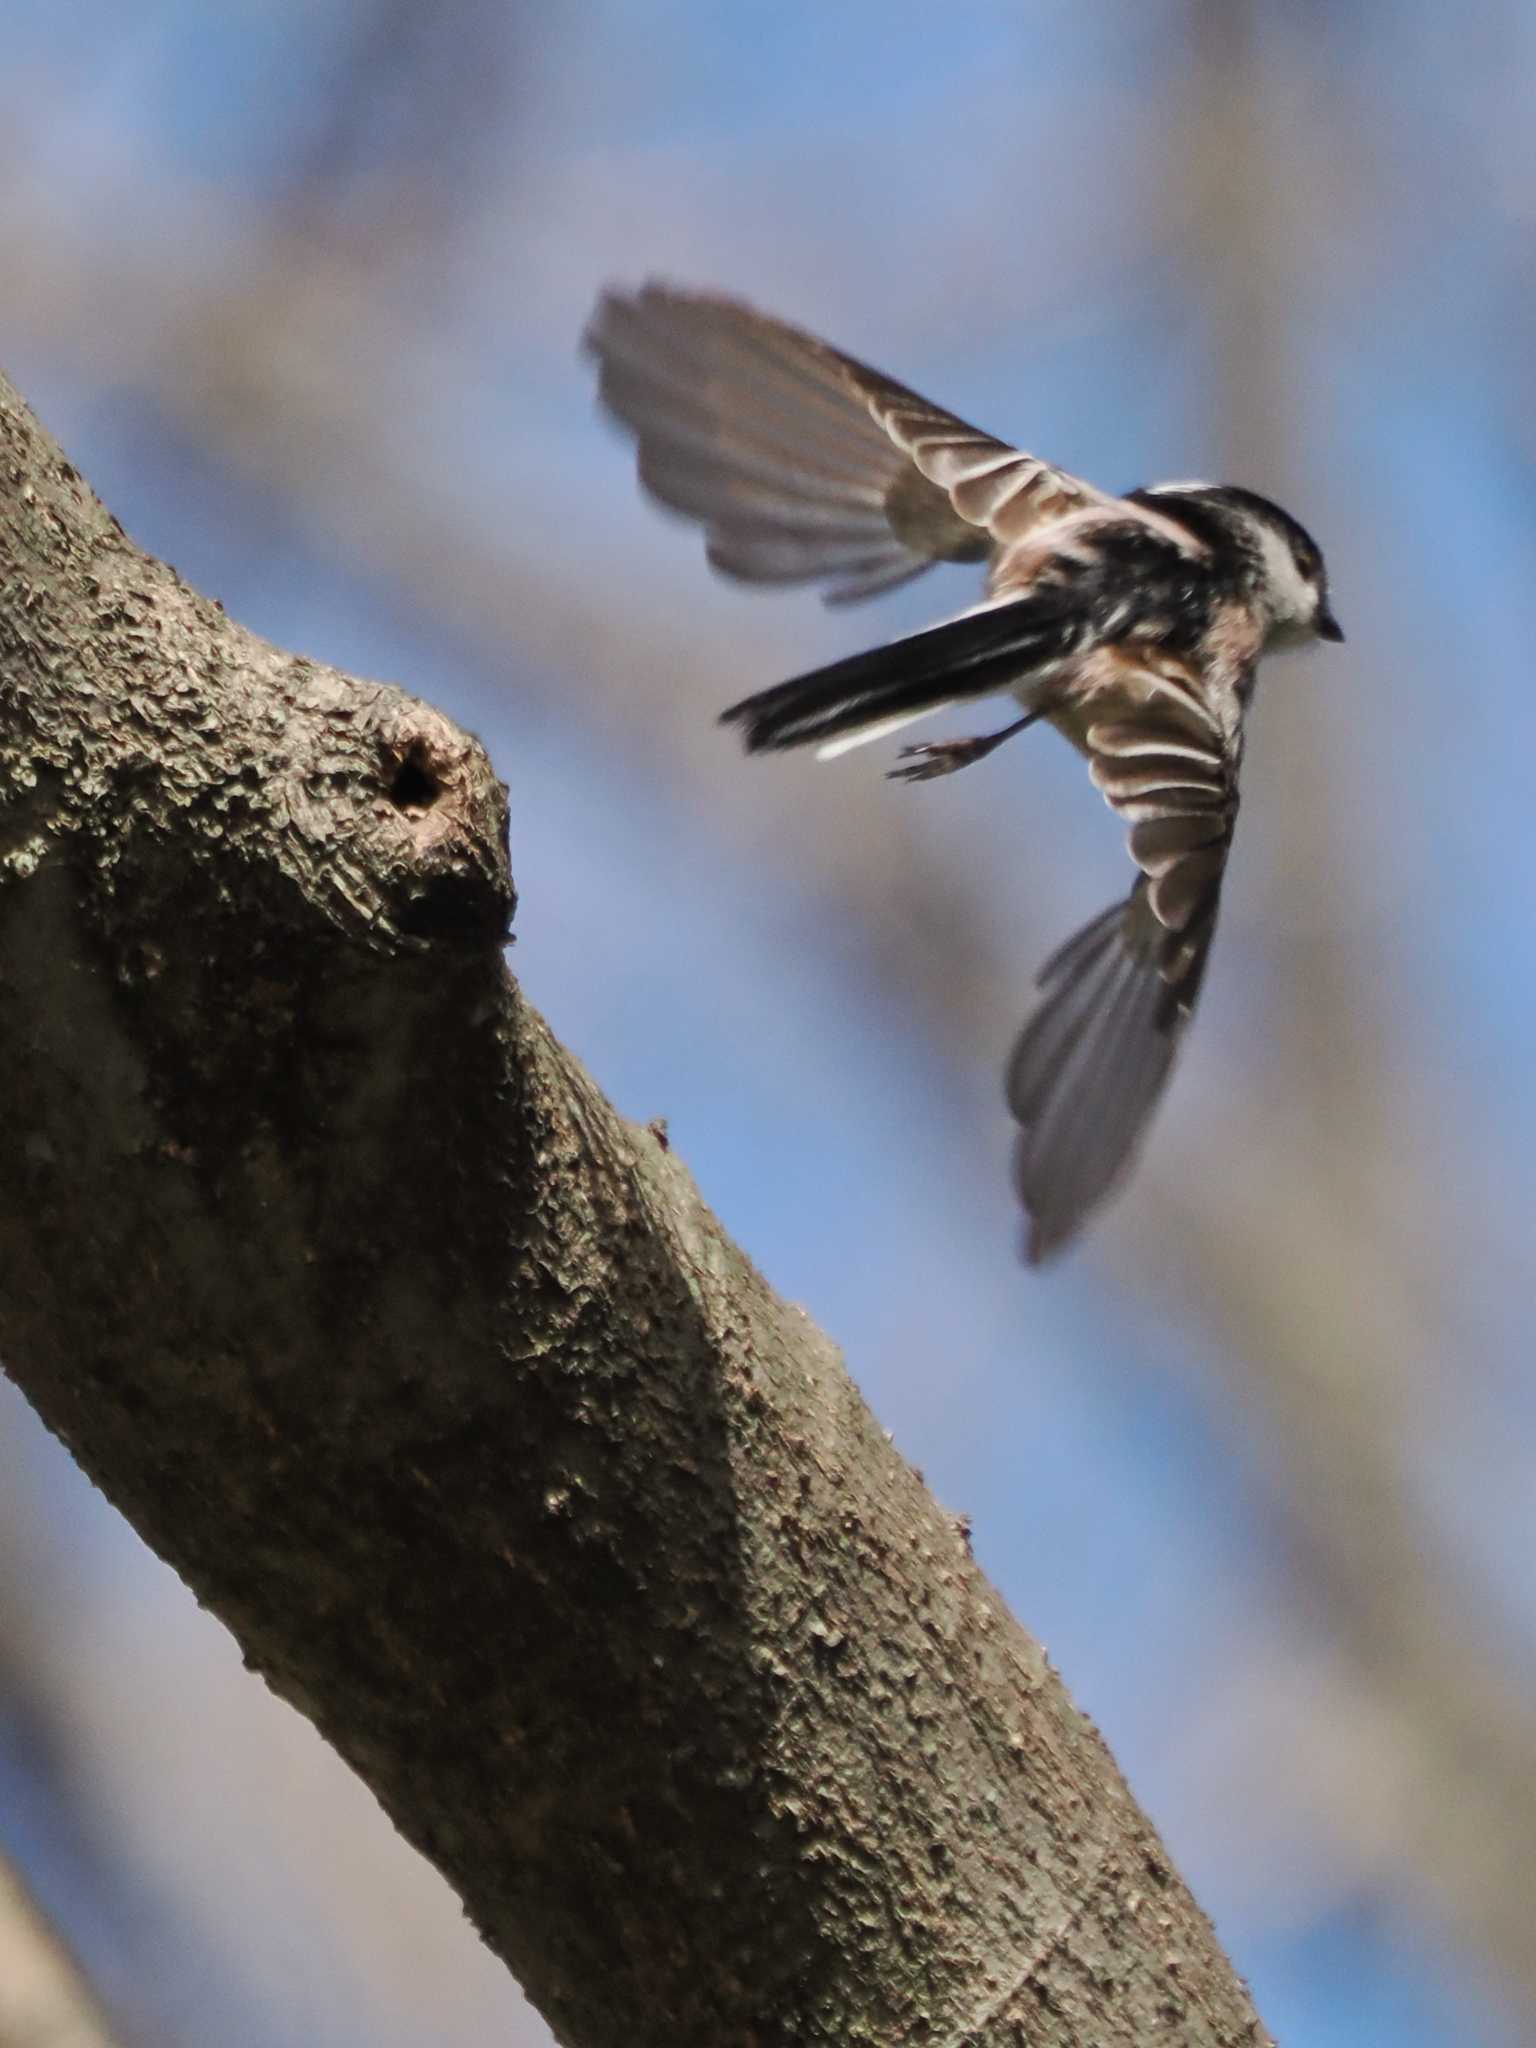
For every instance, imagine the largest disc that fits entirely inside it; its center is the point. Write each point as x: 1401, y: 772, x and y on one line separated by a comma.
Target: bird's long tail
x: 982, y: 651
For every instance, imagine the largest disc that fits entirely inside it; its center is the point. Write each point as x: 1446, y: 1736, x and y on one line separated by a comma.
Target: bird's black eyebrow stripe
x: 1186, y: 509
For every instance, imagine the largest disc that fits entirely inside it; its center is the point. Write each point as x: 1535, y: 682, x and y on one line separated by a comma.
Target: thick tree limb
x: 439, y: 1385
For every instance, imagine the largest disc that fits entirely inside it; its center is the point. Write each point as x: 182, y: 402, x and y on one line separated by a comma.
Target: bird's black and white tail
x: 982, y: 651
x: 1090, y: 1065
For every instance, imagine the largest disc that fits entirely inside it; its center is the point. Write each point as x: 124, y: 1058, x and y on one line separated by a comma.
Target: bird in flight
x: 1134, y: 625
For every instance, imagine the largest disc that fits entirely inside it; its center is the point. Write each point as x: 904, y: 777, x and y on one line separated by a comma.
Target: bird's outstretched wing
x: 1091, y: 1063
x: 803, y: 465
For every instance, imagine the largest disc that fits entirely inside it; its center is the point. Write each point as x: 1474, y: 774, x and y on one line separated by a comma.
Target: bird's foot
x: 938, y: 757
x: 943, y: 757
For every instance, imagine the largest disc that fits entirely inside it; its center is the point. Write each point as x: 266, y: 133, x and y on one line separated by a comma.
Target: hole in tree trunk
x: 414, y: 787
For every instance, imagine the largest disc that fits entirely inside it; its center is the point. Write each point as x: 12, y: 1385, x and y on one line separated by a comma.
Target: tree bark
x: 439, y: 1385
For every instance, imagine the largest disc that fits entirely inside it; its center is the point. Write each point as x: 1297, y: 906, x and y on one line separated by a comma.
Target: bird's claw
x: 937, y: 757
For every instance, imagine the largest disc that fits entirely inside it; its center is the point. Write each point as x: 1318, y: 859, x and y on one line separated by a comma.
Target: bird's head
x: 1283, y: 566
x: 1290, y: 578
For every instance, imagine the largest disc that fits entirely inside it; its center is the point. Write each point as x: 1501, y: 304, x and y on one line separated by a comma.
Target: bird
x: 1132, y: 624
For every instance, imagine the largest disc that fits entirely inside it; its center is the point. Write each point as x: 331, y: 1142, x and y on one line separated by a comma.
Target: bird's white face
x: 1292, y: 582
x: 1295, y: 589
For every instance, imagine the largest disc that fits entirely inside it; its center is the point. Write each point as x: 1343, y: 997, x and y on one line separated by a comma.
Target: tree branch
x: 437, y: 1382
x: 44, y: 1997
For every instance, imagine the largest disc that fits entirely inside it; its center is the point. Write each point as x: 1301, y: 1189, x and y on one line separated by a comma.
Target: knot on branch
x: 446, y: 811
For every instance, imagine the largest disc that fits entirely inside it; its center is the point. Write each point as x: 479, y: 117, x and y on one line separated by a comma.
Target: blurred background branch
x: 44, y: 2002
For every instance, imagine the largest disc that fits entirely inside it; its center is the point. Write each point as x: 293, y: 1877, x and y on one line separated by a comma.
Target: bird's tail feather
x: 974, y: 655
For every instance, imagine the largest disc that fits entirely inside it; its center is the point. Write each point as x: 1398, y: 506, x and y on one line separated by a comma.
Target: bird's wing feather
x: 1168, y: 762
x: 802, y: 464
x: 1089, y: 1066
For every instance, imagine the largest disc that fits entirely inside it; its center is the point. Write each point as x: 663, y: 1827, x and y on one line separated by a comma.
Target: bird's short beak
x: 1328, y: 627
